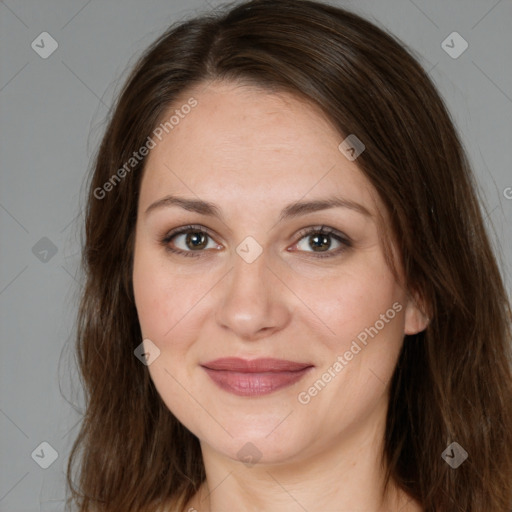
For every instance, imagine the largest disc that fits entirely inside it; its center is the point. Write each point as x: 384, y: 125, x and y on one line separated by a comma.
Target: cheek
x: 161, y: 297
x: 162, y: 300
x: 352, y: 303
x: 171, y: 309
x: 362, y: 315
x: 149, y: 296
x: 166, y: 303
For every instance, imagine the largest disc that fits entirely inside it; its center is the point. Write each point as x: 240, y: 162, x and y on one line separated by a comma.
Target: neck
x: 347, y: 475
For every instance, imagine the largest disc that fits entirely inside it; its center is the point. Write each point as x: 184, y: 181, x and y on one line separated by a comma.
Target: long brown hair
x: 453, y: 381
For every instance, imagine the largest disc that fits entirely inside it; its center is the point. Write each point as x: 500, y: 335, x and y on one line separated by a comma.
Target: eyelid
x: 185, y: 229
x: 322, y: 229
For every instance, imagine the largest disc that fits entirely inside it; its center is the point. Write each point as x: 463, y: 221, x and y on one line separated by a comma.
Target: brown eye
x: 320, y: 240
x: 195, y: 241
x: 188, y: 241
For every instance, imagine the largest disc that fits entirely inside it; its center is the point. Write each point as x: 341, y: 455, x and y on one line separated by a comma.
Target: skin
x: 252, y: 153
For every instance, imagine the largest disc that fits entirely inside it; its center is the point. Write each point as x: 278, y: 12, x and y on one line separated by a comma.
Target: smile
x: 254, y: 377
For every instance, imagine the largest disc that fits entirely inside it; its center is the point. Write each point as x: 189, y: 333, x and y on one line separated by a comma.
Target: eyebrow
x: 292, y: 210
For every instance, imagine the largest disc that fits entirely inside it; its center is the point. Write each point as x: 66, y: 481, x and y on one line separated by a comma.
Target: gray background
x: 52, y: 117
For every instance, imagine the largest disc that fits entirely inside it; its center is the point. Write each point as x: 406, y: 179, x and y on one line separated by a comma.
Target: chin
x: 256, y: 442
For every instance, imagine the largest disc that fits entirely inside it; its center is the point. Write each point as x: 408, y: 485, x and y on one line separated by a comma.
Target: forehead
x: 248, y: 140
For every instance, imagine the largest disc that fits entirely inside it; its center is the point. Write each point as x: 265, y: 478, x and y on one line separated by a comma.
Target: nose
x: 253, y: 301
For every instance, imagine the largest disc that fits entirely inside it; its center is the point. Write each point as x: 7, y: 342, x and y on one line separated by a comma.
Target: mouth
x: 255, y: 377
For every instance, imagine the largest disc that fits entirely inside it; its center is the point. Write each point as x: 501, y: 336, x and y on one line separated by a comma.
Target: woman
x: 291, y: 300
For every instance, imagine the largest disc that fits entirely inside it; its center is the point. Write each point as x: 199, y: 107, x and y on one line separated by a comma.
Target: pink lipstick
x: 254, y: 377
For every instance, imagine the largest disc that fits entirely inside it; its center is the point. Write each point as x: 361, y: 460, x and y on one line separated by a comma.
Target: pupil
x: 319, y: 240
x: 198, y: 240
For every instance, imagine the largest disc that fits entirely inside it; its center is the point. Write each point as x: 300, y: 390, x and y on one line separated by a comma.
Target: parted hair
x: 452, y: 381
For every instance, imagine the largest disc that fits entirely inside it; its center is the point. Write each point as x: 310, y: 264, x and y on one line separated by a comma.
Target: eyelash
x: 317, y: 230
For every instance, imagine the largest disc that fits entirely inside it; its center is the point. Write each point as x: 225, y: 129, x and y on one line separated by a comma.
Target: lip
x: 254, y: 377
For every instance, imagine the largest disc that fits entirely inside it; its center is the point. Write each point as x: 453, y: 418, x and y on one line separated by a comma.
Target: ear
x: 416, y: 320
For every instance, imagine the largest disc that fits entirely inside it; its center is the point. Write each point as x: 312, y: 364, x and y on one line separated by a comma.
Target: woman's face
x: 274, y: 342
